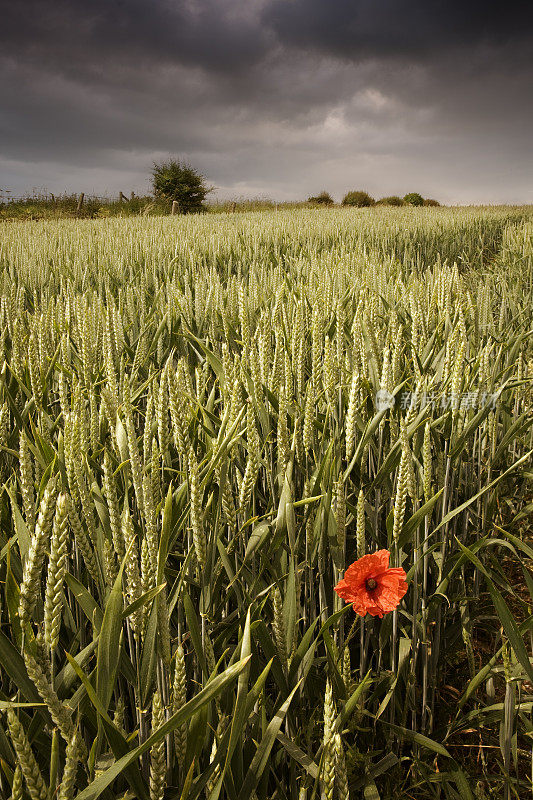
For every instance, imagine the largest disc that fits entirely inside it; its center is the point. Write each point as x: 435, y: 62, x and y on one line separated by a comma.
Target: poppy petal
x: 390, y: 587
x: 346, y: 591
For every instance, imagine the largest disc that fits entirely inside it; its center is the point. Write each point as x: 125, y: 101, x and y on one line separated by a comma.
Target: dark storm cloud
x: 269, y: 96
x: 389, y: 28
x: 75, y: 37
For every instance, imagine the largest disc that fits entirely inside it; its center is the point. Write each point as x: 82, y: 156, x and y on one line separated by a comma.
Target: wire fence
x: 48, y: 197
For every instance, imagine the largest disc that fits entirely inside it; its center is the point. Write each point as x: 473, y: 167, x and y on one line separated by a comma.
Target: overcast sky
x: 273, y: 98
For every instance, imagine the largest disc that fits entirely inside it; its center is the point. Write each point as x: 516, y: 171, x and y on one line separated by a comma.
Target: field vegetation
x: 194, y: 449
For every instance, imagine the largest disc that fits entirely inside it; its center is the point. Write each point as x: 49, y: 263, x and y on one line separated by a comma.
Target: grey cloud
x: 268, y: 97
x: 79, y: 38
x: 388, y: 28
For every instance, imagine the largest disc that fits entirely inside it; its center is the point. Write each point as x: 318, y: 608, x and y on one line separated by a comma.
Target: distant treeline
x: 361, y: 199
x: 45, y: 205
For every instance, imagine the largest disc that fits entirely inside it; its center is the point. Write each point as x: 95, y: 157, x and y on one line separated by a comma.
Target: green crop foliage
x: 194, y: 447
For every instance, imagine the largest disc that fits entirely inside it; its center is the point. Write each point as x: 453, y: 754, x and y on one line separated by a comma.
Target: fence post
x: 132, y: 197
x: 80, y: 201
x: 175, y: 207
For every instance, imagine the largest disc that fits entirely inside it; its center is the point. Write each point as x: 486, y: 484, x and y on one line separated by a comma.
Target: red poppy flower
x: 371, y: 586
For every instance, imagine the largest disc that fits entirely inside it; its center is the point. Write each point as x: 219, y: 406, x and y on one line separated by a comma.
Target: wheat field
x: 204, y: 421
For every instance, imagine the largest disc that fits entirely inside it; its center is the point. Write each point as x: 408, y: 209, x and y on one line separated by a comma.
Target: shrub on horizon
x: 322, y: 199
x: 394, y: 200
x: 358, y: 198
x: 174, y: 180
x: 414, y: 199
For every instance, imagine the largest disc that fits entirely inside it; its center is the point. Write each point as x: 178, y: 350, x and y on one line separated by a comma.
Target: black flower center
x: 371, y: 584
